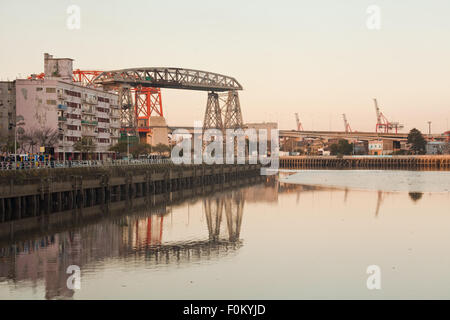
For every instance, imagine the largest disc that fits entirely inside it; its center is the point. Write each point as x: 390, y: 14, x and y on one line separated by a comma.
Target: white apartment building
x: 74, y: 111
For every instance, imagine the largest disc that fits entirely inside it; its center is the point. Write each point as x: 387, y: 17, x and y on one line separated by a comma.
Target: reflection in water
x: 379, y: 201
x: 415, y: 196
x: 138, y: 236
x: 293, y: 234
x: 233, y: 204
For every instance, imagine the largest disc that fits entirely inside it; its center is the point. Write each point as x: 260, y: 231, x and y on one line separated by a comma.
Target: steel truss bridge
x: 223, y: 110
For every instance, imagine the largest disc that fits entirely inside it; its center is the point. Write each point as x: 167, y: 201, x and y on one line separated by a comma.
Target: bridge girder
x: 175, y: 78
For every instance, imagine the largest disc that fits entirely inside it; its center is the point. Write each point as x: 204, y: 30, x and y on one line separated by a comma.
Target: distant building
x: 360, y: 147
x: 383, y: 147
x: 7, y: 110
x: 375, y: 147
x: 75, y: 111
x: 324, y: 152
x: 263, y: 125
x: 435, y: 147
x: 447, y: 135
x: 160, y: 132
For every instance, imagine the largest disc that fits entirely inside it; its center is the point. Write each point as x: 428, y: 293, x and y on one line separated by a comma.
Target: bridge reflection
x: 148, y: 236
x: 233, y: 205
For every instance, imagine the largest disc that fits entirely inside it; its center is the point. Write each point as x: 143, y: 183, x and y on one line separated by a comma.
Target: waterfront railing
x: 26, y: 165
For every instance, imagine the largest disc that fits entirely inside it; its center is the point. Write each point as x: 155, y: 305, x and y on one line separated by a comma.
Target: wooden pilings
x: 394, y: 162
x: 50, y: 196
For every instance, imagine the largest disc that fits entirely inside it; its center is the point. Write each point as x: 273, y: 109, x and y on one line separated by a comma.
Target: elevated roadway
x: 349, y: 135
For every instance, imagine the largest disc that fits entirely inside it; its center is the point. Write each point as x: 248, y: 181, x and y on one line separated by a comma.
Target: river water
x: 299, y: 235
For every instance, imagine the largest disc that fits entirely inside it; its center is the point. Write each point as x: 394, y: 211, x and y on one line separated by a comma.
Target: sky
x: 317, y: 58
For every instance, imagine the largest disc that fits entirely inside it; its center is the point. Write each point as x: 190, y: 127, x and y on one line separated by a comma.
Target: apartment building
x: 7, y: 110
x: 74, y: 111
x: 383, y: 147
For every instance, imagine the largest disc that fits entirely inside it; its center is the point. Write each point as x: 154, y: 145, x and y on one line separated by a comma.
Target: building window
x: 74, y: 105
x: 72, y: 93
x: 50, y: 90
x: 103, y: 120
x: 74, y: 139
x: 72, y: 127
x: 101, y: 99
x: 51, y: 102
x: 38, y: 88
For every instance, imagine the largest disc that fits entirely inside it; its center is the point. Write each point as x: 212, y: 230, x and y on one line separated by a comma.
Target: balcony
x: 89, y: 100
x: 88, y: 111
x: 92, y: 123
x: 88, y: 133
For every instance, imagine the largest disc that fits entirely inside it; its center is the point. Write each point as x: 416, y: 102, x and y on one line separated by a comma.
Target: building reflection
x: 44, y: 260
x: 148, y: 234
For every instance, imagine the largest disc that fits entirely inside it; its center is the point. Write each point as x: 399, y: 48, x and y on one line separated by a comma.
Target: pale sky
x: 317, y: 58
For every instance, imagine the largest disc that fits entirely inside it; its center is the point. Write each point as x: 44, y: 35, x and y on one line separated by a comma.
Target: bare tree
x: 47, y: 137
x: 446, y: 148
x: 85, y: 145
x: 43, y: 137
x: 28, y: 140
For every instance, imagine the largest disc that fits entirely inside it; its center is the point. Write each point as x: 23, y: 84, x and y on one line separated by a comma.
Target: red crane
x: 147, y: 101
x: 383, y: 124
x: 346, y: 124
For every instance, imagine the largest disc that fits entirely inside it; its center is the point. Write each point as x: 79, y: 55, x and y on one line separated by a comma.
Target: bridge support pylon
x: 233, y: 114
x: 213, y: 113
x: 128, y: 117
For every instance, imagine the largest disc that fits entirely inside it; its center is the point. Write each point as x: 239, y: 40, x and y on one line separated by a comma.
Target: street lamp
x: 61, y: 130
x: 128, y: 146
x: 19, y: 122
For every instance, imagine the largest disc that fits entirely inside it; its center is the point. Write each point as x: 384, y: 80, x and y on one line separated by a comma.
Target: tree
x: 161, y: 148
x: 135, y: 149
x: 140, y: 148
x: 7, y: 145
x: 85, y: 145
x: 342, y: 147
x: 446, y: 148
x: 417, y: 141
x: 120, y: 147
x: 33, y: 138
x: 29, y: 140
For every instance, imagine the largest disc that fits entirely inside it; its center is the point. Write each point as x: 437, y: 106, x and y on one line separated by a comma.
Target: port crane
x: 346, y: 124
x: 299, y: 124
x: 383, y: 124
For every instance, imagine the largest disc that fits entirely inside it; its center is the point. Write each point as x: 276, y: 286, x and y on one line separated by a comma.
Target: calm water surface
x: 310, y: 234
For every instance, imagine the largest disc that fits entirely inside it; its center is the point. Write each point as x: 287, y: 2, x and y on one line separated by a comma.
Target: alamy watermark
x: 373, y: 21
x: 374, y: 280
x: 232, y: 146
x: 73, y: 21
x: 74, y: 280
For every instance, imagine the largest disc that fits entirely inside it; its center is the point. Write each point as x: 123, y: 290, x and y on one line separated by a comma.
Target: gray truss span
x: 175, y: 78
